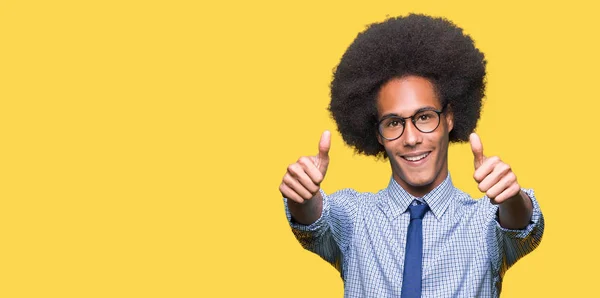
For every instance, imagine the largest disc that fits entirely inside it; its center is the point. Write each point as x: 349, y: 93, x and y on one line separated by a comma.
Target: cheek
x: 394, y: 160
x: 388, y: 146
x: 442, y: 149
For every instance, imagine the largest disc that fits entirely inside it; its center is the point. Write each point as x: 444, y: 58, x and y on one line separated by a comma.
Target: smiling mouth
x: 416, y: 157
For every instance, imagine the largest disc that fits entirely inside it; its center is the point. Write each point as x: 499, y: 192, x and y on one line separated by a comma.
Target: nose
x: 411, y: 136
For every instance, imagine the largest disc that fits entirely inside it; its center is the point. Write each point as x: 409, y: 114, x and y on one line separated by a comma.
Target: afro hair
x: 433, y: 48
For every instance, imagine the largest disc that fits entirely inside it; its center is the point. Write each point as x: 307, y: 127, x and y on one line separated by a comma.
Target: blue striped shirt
x: 465, y: 250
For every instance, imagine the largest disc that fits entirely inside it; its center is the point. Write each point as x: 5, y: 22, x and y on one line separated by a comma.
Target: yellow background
x: 142, y: 142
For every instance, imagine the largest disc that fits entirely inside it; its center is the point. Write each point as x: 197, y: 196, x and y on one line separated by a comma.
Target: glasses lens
x: 391, y: 128
x: 427, y: 121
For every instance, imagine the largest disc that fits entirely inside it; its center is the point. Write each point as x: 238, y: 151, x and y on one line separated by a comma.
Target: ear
x: 379, y: 139
x: 449, y: 118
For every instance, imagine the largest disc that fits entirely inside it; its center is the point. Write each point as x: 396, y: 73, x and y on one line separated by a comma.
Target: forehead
x: 404, y: 96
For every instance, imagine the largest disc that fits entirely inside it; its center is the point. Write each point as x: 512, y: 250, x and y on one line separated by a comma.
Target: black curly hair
x: 420, y: 45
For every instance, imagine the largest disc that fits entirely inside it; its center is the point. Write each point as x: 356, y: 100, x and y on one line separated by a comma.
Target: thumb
x: 322, y: 160
x: 477, y: 149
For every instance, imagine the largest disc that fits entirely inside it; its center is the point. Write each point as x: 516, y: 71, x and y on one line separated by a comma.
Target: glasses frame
x: 413, y: 120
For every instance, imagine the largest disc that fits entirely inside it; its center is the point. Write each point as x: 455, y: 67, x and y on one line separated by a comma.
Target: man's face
x: 419, y: 160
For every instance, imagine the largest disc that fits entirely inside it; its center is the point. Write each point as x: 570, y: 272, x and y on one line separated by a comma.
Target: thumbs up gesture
x: 302, y: 180
x: 495, y: 178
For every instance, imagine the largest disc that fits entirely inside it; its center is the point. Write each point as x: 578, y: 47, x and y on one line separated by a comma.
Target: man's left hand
x: 494, y: 177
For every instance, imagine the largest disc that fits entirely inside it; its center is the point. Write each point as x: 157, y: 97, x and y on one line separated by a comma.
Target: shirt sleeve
x: 330, y: 234
x: 514, y: 244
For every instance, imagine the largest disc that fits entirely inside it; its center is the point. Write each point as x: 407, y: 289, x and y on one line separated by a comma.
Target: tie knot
x: 417, y: 211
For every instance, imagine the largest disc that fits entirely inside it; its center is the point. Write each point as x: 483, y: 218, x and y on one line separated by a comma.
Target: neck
x: 418, y: 191
x: 421, y: 190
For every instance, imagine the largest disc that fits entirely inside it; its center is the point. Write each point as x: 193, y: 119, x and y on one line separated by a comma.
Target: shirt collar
x: 399, y: 199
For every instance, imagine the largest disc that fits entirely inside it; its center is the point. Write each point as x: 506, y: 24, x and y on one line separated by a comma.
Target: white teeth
x: 416, y: 158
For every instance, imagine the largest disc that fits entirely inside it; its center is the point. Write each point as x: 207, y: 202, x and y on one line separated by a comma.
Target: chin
x: 419, y: 182
x: 416, y: 180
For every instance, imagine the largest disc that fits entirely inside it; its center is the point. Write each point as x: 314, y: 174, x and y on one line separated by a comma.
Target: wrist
x: 515, y: 212
x: 307, y: 212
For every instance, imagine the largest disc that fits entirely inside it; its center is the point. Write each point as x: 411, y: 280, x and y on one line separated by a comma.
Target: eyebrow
x: 389, y: 115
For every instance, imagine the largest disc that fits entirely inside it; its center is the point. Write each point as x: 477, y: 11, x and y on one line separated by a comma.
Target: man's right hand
x: 303, y: 179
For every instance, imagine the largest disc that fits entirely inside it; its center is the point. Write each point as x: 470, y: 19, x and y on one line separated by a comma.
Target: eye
x: 424, y: 117
x: 394, y: 123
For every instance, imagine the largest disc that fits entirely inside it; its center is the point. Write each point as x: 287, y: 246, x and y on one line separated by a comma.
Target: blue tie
x: 413, y: 260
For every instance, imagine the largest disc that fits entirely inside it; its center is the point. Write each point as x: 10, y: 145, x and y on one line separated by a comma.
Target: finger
x: 508, y: 193
x: 504, y: 183
x: 297, y: 187
x: 309, y: 167
x: 290, y: 194
x: 323, y: 156
x: 325, y: 144
x: 499, y: 171
x: 298, y: 172
x: 486, y: 168
x: 477, y: 148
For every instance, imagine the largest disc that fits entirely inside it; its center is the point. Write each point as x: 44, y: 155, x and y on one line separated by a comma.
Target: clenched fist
x: 302, y: 180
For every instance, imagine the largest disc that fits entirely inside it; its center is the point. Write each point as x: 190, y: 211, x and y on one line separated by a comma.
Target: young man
x: 404, y: 90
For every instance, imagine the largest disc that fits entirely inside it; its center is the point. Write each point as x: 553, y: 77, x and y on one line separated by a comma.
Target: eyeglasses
x: 426, y: 121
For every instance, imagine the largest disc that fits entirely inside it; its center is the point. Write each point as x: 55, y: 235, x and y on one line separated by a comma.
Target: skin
x: 301, y: 183
x: 499, y: 183
x: 404, y: 97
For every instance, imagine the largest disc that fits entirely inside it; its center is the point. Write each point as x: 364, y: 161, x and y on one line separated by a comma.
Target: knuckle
x: 293, y: 168
x: 298, y: 200
x: 494, y: 159
x: 508, y: 185
x: 306, y: 195
x: 516, y: 187
x: 304, y: 160
x: 319, y: 178
x: 287, y: 179
x: 314, y: 189
x: 512, y: 178
x: 498, y: 200
x: 481, y: 188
